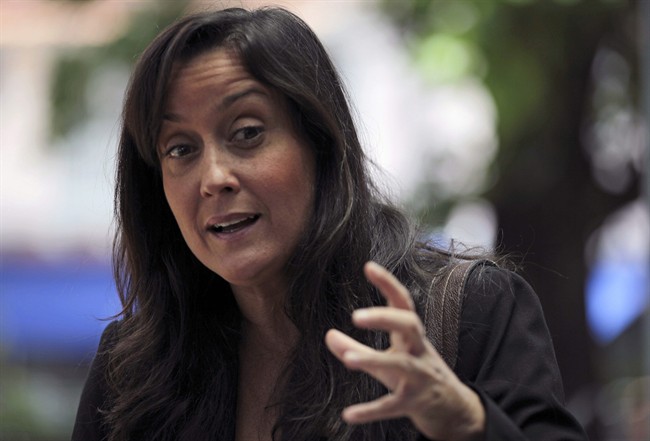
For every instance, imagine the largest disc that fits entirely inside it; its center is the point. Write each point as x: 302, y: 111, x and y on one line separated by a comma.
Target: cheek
x: 294, y: 185
x: 178, y: 200
x: 302, y: 198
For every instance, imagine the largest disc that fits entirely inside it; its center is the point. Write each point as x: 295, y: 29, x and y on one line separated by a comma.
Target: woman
x: 245, y: 215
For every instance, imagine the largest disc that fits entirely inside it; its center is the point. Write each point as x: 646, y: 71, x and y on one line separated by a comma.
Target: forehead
x: 217, y: 70
x: 213, y: 81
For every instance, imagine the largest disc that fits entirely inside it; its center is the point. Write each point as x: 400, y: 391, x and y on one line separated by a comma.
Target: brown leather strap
x: 443, y: 308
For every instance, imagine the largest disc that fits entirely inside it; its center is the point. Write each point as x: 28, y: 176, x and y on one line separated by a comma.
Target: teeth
x: 220, y: 227
x: 233, y: 222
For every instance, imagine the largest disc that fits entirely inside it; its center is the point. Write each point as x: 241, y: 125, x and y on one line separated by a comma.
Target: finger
x: 393, y: 320
x: 384, y: 408
x: 388, y: 364
x: 395, y: 293
x: 346, y: 350
x: 339, y: 343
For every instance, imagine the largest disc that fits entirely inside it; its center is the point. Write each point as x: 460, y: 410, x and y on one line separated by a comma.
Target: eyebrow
x: 232, y: 99
x: 225, y: 102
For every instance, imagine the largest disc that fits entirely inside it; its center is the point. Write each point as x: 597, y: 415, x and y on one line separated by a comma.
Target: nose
x: 218, y: 176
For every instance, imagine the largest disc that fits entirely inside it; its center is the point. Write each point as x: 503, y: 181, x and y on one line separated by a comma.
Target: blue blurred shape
x: 617, y: 293
x: 52, y: 312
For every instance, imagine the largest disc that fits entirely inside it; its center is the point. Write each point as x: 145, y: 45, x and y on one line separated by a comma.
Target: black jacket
x: 505, y: 354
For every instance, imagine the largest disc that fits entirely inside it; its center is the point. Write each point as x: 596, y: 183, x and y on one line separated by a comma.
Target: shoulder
x: 95, y: 395
x: 107, y: 342
x: 97, y: 377
x: 109, y: 336
x: 492, y: 293
x: 503, y: 331
x: 506, y: 354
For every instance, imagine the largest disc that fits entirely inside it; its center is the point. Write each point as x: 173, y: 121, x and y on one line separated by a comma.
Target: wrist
x: 472, y: 424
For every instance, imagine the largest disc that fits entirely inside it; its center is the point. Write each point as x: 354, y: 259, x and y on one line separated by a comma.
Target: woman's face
x: 237, y: 176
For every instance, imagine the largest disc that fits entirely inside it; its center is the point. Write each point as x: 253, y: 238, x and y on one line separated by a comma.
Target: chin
x: 250, y: 276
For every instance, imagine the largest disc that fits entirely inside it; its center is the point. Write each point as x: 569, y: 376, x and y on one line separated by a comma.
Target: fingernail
x: 360, y: 314
x: 371, y: 264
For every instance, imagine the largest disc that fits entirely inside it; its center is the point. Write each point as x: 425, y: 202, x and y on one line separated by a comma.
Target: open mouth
x: 237, y: 225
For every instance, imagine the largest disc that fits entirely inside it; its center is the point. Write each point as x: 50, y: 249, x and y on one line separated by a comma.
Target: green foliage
x: 522, y: 50
x: 144, y: 27
x: 68, y: 93
x: 516, y: 58
x: 443, y: 57
x: 36, y: 404
x: 74, y: 69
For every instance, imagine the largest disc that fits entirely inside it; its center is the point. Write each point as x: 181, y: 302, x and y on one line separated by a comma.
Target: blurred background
x: 518, y: 125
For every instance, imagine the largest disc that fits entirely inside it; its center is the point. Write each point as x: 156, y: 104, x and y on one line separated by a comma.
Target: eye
x: 248, y: 135
x: 178, y: 150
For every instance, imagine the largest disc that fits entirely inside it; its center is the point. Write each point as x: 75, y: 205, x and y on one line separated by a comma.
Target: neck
x: 265, y: 323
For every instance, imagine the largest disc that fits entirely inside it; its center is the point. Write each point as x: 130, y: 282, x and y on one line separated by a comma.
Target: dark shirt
x: 505, y: 354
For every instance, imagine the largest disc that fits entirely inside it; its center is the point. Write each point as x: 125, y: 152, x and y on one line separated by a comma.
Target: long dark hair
x: 173, y: 368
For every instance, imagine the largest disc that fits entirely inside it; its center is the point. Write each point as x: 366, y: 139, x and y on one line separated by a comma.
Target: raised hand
x: 422, y: 387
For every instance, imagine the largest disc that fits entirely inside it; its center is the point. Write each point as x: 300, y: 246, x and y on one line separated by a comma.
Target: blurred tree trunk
x: 546, y: 199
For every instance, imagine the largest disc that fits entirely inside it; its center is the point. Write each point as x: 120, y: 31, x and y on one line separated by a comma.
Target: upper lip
x: 228, y: 219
